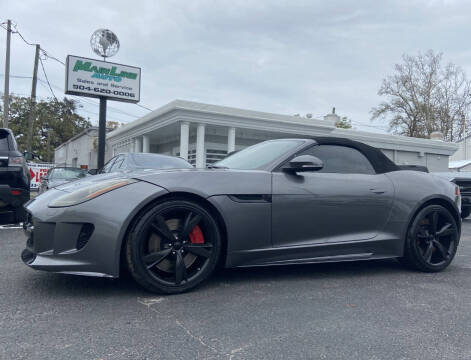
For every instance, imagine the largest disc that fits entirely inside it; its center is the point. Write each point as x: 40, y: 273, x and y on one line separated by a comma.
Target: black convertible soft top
x: 381, y: 163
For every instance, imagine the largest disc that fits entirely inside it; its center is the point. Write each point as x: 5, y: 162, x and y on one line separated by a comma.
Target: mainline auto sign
x: 96, y: 78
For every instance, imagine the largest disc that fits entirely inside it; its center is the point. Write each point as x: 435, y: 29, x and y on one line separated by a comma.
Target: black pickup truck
x: 14, y: 180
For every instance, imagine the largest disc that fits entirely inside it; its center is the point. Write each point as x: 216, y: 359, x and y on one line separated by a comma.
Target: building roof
x: 250, y: 119
x: 216, y: 110
x: 458, y: 164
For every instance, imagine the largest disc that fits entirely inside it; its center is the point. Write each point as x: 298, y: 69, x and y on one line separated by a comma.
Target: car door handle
x: 378, y: 191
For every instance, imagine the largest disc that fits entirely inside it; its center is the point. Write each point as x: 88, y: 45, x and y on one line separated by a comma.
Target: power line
x: 48, y: 83
x: 144, y: 107
x: 48, y: 55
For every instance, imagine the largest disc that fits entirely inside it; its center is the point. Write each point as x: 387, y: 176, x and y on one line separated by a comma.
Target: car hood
x: 78, y: 184
x: 208, y: 182
x: 203, y: 182
x: 54, y: 183
x: 70, y: 186
x: 450, y: 176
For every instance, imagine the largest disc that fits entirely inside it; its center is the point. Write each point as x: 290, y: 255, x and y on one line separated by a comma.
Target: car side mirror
x: 303, y: 163
x: 93, y: 171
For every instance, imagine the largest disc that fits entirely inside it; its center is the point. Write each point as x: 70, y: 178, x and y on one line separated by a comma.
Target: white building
x: 79, y: 151
x: 203, y: 133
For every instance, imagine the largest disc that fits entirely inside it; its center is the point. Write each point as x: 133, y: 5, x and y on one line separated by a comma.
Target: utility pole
x: 32, y: 112
x: 6, y: 92
x: 101, y: 133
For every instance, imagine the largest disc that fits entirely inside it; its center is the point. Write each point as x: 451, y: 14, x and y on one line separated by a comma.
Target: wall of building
x: 80, y: 151
x: 463, y: 152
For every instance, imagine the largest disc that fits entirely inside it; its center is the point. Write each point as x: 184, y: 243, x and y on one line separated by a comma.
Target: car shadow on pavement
x: 84, y: 286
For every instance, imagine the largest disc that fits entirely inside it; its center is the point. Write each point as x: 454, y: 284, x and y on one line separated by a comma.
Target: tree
x: 112, y: 124
x: 423, y: 96
x: 55, y: 123
x: 344, y: 123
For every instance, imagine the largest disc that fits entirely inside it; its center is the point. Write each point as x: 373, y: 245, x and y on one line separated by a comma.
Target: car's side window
x: 341, y: 159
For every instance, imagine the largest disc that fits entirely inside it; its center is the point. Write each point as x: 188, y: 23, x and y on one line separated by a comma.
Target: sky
x: 276, y: 56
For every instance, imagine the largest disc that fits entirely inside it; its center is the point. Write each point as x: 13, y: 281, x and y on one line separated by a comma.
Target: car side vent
x: 84, y: 236
x: 251, y: 198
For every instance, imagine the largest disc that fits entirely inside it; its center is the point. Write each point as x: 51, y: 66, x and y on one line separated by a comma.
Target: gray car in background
x: 136, y: 161
x: 60, y: 175
x: 279, y: 202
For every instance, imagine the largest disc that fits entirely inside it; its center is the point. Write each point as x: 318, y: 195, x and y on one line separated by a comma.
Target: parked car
x: 14, y: 180
x: 463, y: 180
x: 60, y: 175
x: 279, y: 202
x: 134, y: 161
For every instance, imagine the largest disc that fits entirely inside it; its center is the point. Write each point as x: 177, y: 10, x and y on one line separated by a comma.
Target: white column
x: 200, y: 158
x: 145, y: 144
x: 231, y: 132
x: 138, y: 145
x: 184, y: 139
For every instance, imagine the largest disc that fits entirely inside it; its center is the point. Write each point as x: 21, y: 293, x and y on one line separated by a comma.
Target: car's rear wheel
x: 174, y: 247
x: 432, y: 239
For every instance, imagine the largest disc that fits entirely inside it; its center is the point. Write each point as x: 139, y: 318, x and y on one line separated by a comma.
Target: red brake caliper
x: 196, y: 236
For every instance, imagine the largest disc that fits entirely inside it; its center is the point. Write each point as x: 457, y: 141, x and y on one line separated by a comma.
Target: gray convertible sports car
x: 287, y: 201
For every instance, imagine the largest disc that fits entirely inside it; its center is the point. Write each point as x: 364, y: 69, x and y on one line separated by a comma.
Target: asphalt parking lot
x: 361, y: 310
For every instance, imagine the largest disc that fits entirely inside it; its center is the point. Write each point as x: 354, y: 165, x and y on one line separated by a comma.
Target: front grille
x: 465, y: 187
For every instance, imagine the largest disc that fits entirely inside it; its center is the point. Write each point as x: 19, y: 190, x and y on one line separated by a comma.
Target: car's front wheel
x: 174, y: 247
x: 432, y: 239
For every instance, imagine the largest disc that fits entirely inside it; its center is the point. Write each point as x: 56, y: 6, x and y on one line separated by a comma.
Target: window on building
x: 213, y: 155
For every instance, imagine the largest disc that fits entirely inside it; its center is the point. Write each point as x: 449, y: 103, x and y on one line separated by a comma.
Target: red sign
x: 37, y: 171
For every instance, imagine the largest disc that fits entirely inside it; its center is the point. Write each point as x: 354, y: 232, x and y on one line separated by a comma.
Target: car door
x: 345, y: 201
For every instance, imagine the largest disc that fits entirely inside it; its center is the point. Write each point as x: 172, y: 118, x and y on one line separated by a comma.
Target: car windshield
x: 67, y: 174
x: 256, y: 156
x: 153, y: 161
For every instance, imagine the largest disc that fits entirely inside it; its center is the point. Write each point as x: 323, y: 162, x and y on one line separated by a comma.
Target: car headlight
x: 90, y: 192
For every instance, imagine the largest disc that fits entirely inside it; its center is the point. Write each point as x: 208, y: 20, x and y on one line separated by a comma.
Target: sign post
x: 102, y: 80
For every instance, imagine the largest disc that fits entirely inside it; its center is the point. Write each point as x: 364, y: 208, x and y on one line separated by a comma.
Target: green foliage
x: 55, y: 122
x: 344, y: 123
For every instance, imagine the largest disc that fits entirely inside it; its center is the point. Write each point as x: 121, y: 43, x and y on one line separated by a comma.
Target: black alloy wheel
x: 174, y: 247
x: 432, y: 239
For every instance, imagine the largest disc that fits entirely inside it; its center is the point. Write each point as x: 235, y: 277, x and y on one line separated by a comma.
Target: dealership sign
x: 37, y: 171
x: 96, y: 78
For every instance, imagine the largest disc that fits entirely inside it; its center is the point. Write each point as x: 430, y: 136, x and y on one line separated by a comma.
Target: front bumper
x: 465, y: 202
x: 84, y: 239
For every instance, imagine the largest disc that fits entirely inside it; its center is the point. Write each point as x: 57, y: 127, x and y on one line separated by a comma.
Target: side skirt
x: 317, y: 253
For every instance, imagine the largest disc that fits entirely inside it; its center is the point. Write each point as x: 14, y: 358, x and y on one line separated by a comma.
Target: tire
x: 173, y: 247
x: 465, y: 213
x: 432, y: 240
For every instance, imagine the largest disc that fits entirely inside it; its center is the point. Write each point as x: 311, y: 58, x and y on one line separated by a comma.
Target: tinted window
x: 341, y: 159
x: 154, y: 161
x: 4, y: 141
